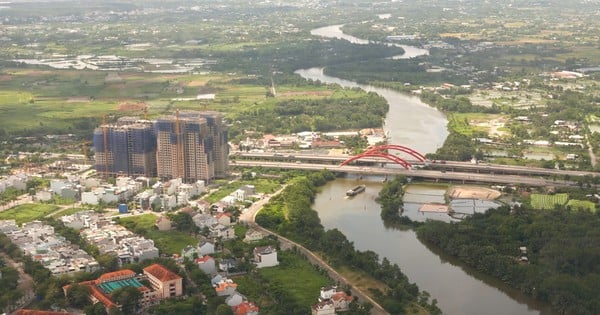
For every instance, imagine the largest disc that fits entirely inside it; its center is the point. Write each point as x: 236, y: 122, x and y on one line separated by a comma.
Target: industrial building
x: 190, y: 145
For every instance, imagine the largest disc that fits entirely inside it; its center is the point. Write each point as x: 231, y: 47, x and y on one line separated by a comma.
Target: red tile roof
x: 161, y: 273
x: 203, y: 259
x: 115, y: 274
x: 341, y: 296
x: 103, y: 298
x: 245, y: 308
x: 38, y: 312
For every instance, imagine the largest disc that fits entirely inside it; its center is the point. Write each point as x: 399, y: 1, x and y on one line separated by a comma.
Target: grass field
x: 67, y: 211
x: 467, y: 123
x: 27, y: 212
x: 547, y: 202
x: 582, y: 205
x: 168, y: 242
x: 296, y: 276
x: 262, y: 185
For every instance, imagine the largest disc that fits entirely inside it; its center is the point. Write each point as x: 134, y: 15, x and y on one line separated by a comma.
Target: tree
x: 128, y: 297
x: 95, y: 309
x: 78, y: 295
x: 224, y: 309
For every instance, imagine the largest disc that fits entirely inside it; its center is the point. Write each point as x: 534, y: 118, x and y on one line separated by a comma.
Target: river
x: 458, y: 289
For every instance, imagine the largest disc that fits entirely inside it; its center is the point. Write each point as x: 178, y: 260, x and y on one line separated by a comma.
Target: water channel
x: 458, y: 289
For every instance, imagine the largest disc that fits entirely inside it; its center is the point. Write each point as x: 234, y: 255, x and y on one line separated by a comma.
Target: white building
x: 265, y: 256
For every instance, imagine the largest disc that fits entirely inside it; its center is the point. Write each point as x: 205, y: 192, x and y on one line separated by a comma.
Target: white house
x: 235, y: 299
x: 90, y: 197
x: 163, y: 223
x: 43, y: 195
x: 265, y: 256
x: 253, y: 236
x: 327, y: 292
x: 189, y: 252
x: 203, y: 220
x: 323, y: 308
x: 206, y: 248
x: 224, y: 232
x: 225, y: 287
x: 341, y: 301
x: 224, y: 218
x: 207, y: 265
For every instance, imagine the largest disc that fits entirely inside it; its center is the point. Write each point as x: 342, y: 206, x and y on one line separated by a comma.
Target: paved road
x: 249, y: 217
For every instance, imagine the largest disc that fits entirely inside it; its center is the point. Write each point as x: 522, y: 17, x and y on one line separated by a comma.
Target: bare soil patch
x: 126, y: 106
x: 473, y: 192
x: 434, y: 207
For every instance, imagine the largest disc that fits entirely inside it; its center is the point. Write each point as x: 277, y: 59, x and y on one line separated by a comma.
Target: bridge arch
x: 388, y: 156
x: 402, y: 148
x: 381, y: 151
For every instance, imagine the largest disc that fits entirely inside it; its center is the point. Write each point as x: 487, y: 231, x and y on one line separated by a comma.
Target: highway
x: 462, y: 177
x: 437, y: 165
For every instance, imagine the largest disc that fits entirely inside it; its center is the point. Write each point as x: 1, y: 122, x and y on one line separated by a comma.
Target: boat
x: 356, y: 190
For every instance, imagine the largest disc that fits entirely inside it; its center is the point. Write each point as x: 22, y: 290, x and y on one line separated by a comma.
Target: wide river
x: 458, y: 289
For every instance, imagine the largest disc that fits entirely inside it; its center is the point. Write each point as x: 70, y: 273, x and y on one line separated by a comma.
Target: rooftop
x: 161, y: 273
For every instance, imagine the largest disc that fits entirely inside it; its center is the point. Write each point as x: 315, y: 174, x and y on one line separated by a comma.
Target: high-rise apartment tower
x: 191, y: 145
x: 125, y: 148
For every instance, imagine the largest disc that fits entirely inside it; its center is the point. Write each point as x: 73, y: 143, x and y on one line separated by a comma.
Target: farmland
x: 548, y: 202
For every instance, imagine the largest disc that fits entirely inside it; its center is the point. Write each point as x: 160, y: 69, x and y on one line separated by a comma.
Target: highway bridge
x: 445, y: 166
x: 434, y: 175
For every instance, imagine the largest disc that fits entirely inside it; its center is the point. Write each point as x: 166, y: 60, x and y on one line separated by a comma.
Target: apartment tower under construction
x: 192, y: 146
x: 127, y: 147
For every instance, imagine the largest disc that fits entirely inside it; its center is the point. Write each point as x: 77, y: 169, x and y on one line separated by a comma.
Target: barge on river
x: 356, y: 190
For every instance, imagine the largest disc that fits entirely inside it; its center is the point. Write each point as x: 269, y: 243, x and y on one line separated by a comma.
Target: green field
x: 262, y: 185
x: 547, y: 202
x: 582, y: 204
x: 294, y: 276
x: 27, y: 212
x: 168, y: 242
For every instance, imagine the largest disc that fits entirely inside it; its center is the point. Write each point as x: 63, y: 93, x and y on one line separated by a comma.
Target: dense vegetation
x: 291, y: 215
x: 563, y: 249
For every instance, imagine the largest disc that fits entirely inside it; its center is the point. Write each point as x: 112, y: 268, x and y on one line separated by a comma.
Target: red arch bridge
x: 382, y: 151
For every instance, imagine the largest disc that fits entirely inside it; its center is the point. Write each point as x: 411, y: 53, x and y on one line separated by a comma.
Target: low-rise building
x: 265, y: 256
x: 163, y: 280
x: 207, y: 265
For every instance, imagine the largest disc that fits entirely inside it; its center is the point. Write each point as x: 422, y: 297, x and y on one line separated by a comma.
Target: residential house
x: 323, y: 308
x: 253, y: 236
x: 226, y: 287
x: 245, y: 308
x: 206, y: 247
x: 69, y: 192
x: 190, y: 252
x: 224, y: 232
x: 265, y: 256
x: 227, y: 264
x: 217, y: 279
x: 341, y: 301
x: 203, y: 220
x: 207, y: 265
x: 90, y: 197
x: 43, y: 195
x: 327, y: 292
x: 224, y: 218
x: 163, y: 223
x: 235, y: 299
